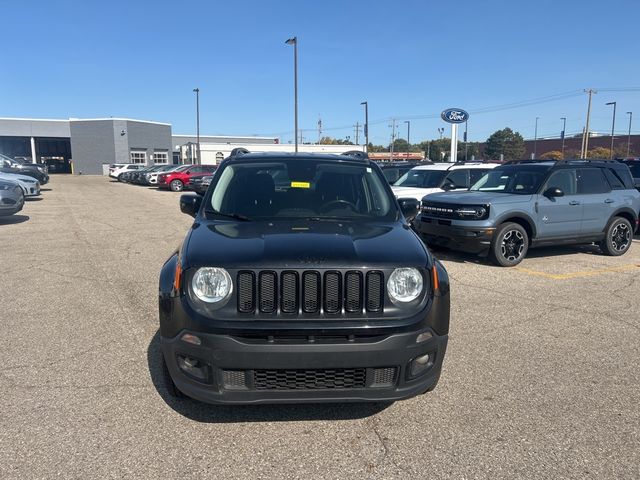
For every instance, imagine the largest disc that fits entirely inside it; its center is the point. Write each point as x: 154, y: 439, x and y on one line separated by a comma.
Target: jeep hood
x: 302, y: 244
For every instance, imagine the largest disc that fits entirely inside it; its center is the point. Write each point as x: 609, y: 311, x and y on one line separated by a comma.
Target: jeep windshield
x: 517, y: 179
x: 421, y: 179
x: 301, y: 188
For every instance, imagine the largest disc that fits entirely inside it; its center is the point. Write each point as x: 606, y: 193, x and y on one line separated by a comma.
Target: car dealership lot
x: 540, y: 380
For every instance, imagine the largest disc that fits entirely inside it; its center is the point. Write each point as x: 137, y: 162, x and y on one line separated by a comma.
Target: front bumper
x: 471, y: 239
x: 10, y: 203
x: 242, y: 370
x: 33, y: 190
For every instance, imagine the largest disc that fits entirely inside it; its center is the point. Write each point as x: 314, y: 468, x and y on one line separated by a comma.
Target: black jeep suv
x: 301, y: 281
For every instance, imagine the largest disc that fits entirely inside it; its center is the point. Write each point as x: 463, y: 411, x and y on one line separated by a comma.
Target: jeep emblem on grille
x: 454, y: 115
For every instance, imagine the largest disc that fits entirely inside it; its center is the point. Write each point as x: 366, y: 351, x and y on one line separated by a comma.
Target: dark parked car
x: 634, y: 167
x: 11, y: 198
x: 394, y: 170
x: 37, y: 171
x: 200, y: 184
x: 290, y: 292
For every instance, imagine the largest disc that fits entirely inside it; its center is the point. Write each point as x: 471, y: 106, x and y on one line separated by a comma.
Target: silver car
x: 30, y: 186
x: 11, y: 198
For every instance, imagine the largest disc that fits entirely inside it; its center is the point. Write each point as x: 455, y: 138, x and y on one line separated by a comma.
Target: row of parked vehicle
x: 167, y: 177
x: 500, y: 210
x: 19, y: 181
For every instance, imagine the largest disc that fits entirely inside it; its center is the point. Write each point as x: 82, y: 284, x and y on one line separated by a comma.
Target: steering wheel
x: 328, y: 206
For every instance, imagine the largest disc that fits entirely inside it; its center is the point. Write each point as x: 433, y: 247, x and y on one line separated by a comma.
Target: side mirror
x: 448, y: 186
x: 553, y: 192
x: 190, y: 204
x: 409, y: 207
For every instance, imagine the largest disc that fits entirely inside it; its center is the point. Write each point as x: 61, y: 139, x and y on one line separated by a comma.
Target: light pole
x: 366, y: 124
x: 629, y: 136
x: 535, y: 140
x: 440, y: 131
x: 562, y: 134
x: 408, y: 137
x: 613, y: 126
x: 466, y: 145
x: 197, y: 92
x: 294, y: 41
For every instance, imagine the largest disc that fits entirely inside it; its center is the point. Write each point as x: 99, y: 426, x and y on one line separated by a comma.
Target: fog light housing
x: 194, y: 367
x: 421, y: 364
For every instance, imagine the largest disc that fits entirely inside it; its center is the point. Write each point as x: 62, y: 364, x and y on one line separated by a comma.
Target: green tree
x: 552, y: 155
x: 377, y: 148
x: 504, y: 142
x: 600, y: 153
x: 334, y: 141
x: 472, y: 150
x: 400, y: 145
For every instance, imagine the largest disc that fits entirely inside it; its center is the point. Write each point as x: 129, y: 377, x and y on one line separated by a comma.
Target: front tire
x: 169, y: 384
x: 618, y: 236
x: 510, y: 245
x: 176, y: 186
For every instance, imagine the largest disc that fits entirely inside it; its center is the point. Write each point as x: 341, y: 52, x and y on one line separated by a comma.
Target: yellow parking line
x: 588, y: 273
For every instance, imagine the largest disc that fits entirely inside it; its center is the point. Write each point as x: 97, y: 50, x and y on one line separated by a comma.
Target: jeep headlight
x: 404, y: 285
x: 211, y: 284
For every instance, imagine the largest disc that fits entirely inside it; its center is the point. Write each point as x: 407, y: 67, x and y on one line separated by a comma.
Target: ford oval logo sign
x: 454, y: 115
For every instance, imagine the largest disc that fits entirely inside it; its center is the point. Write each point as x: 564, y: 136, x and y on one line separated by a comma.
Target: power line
x: 478, y: 111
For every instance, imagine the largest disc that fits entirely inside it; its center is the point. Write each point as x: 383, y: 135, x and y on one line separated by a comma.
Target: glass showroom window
x: 160, y: 157
x: 138, y: 156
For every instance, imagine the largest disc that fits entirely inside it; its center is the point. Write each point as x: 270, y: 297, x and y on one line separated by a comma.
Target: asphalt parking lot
x: 541, y: 378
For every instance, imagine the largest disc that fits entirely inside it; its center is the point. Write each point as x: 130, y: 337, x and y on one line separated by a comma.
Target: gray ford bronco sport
x: 530, y: 203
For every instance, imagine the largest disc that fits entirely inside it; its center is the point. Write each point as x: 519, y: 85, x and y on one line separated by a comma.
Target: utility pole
x: 294, y: 41
x: 408, y: 137
x: 466, y: 145
x: 562, y: 134
x: 319, y: 129
x: 197, y: 92
x: 535, y: 140
x: 356, y: 127
x: 613, y: 128
x: 393, y: 138
x: 629, y: 136
x: 366, y: 124
x: 585, y: 151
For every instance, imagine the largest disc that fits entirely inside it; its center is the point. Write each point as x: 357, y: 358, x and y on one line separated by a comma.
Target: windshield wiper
x: 237, y: 216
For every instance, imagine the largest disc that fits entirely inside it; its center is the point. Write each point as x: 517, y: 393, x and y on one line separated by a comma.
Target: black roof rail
x: 538, y: 160
x: 356, y: 154
x: 238, y: 151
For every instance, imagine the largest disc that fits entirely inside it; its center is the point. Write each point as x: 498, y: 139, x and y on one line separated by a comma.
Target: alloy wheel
x: 620, y: 237
x: 512, y: 245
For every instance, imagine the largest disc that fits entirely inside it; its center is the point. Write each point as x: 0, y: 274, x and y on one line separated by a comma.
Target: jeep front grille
x: 310, y: 292
x: 338, y: 378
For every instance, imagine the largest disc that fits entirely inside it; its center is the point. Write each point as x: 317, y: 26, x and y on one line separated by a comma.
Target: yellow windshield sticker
x: 300, y: 185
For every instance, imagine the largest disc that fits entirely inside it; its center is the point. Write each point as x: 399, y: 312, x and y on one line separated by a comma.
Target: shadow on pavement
x: 45, y: 189
x: 13, y: 219
x: 205, y: 413
x: 33, y: 199
x: 540, y: 252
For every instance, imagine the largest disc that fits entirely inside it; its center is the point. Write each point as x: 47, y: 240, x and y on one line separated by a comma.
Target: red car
x: 178, y: 179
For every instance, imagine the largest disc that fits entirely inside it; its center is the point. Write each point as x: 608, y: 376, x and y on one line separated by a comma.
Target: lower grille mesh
x: 339, y: 378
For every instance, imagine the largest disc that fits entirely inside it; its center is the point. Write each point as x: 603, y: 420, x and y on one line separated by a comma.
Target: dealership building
x: 88, y: 146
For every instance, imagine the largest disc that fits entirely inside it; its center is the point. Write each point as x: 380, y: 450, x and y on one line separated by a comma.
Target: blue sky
x: 408, y: 59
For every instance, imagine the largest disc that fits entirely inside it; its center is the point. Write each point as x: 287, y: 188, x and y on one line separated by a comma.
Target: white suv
x: 126, y: 168
x: 440, y: 177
